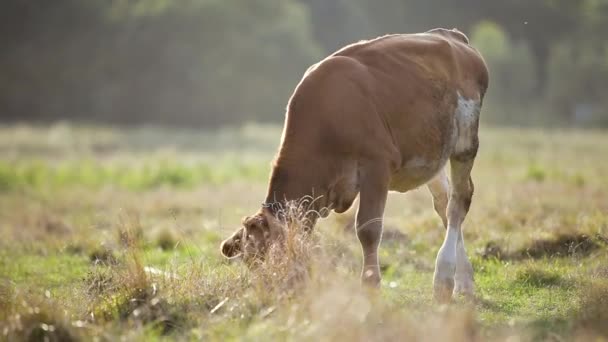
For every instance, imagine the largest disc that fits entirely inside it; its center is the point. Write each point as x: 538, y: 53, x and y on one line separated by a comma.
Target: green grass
x: 113, y: 233
x: 148, y: 174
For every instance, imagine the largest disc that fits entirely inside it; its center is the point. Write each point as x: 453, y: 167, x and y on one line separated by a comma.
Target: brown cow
x: 381, y: 115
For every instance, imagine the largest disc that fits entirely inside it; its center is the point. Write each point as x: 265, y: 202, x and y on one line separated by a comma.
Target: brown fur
x: 358, y: 117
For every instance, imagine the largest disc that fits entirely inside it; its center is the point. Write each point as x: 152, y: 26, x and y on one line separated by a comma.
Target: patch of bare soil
x: 563, y: 245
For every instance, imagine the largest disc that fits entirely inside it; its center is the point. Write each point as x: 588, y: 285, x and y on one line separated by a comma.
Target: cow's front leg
x: 374, y: 190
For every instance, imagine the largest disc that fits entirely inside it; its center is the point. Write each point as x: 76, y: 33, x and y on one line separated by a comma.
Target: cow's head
x: 251, y: 241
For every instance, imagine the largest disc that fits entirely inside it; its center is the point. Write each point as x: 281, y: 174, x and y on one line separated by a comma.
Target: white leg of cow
x: 439, y: 187
x: 373, y: 193
x: 452, y: 258
x: 463, y: 279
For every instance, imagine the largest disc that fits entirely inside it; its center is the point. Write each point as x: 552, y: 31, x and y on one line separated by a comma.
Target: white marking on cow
x: 463, y: 279
x: 447, y: 254
x: 467, y: 116
x: 416, y: 162
x: 444, y: 181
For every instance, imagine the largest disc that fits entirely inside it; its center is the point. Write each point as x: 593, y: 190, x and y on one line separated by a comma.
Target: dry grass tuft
x: 6, y: 298
x: 102, y: 255
x: 166, y: 239
x: 139, y: 296
x: 288, y: 263
x: 28, y: 319
x: 593, y: 312
x: 130, y: 231
x: 492, y: 250
x: 126, y: 292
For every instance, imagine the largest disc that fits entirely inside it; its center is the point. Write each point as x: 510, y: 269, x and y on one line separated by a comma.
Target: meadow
x: 110, y: 233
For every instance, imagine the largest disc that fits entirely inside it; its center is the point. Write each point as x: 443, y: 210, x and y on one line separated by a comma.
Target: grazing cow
x: 377, y: 116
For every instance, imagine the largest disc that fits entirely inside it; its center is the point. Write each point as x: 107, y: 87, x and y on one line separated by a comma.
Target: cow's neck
x: 293, y: 180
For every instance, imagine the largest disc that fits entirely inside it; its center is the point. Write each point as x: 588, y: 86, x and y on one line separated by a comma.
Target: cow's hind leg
x: 439, y: 187
x: 452, y: 263
x: 464, y: 283
x: 453, y: 271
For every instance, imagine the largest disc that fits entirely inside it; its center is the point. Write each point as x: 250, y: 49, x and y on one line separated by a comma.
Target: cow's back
x: 437, y: 55
x: 416, y: 82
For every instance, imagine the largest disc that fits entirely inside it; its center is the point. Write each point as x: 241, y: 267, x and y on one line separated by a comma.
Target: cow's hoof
x: 443, y: 280
x: 370, y: 279
x: 464, y: 286
x: 442, y: 290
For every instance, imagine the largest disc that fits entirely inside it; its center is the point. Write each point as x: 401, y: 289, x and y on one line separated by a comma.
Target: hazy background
x: 205, y: 63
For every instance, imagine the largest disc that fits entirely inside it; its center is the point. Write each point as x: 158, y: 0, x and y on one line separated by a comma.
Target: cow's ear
x: 246, y: 220
x: 275, y: 226
x: 251, y: 223
x: 232, y: 246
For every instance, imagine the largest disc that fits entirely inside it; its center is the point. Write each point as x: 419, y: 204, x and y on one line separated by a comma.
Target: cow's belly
x: 420, y: 165
x: 416, y: 172
x: 459, y: 136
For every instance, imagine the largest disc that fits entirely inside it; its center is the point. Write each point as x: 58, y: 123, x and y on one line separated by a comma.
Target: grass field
x: 108, y: 233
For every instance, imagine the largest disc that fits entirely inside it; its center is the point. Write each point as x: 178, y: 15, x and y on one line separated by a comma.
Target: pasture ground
x: 108, y: 233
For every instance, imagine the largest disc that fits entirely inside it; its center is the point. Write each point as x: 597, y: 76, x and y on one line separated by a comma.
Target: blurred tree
x: 219, y: 61
x: 577, y: 85
x: 225, y: 61
x: 541, y: 23
x: 337, y: 23
x: 193, y: 61
x: 512, y: 71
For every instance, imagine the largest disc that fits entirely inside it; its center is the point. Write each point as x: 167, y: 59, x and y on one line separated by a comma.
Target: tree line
x: 215, y: 62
